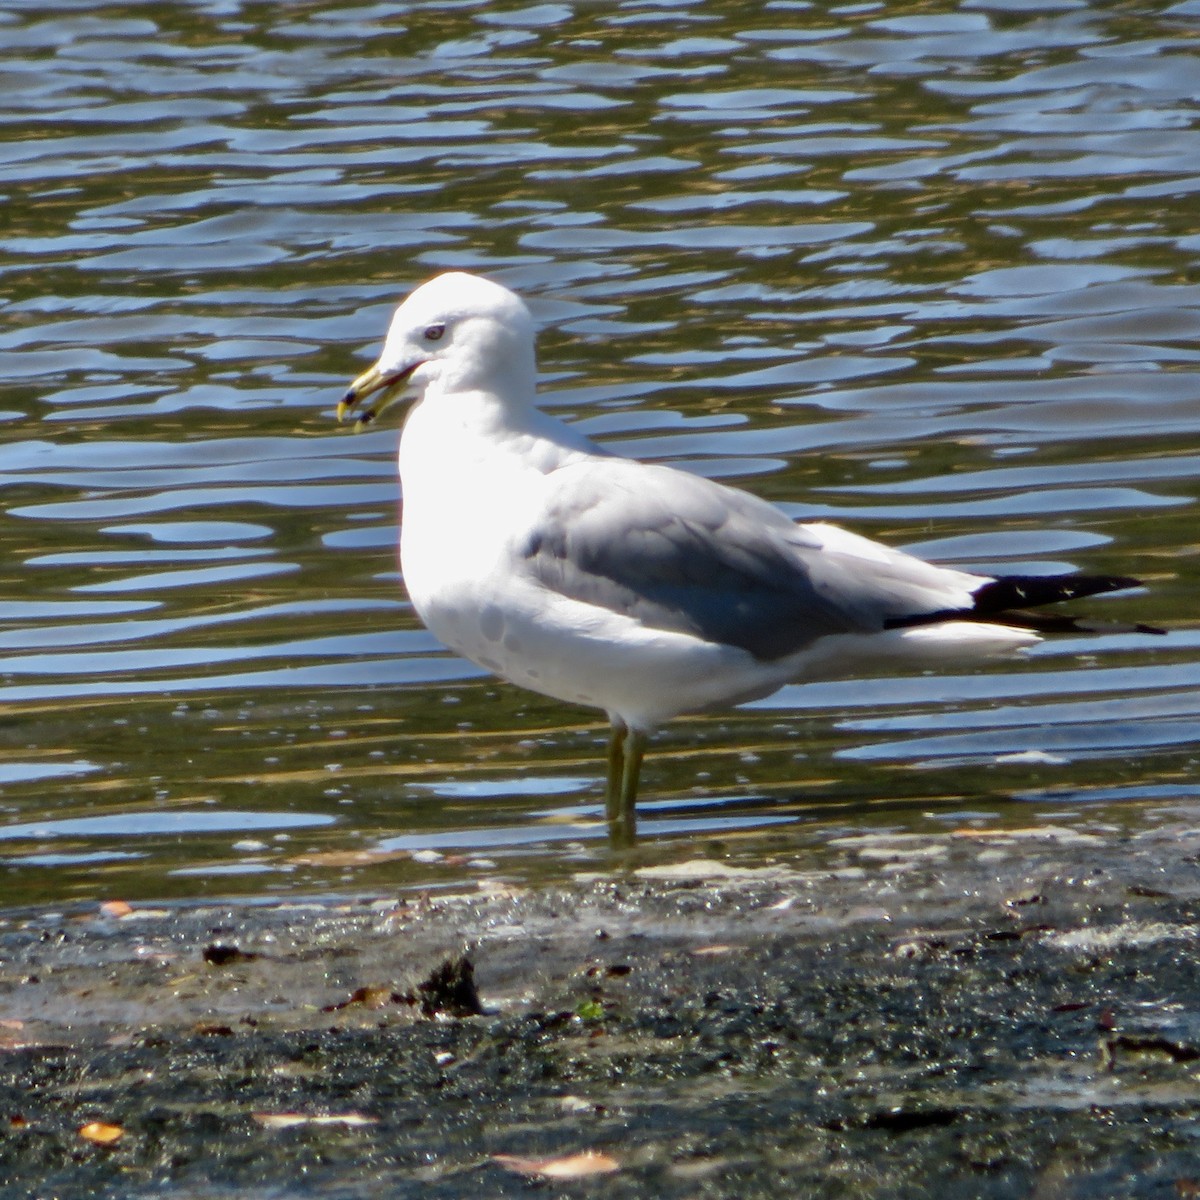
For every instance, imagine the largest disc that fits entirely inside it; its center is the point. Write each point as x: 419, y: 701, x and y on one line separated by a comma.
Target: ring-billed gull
x: 635, y: 588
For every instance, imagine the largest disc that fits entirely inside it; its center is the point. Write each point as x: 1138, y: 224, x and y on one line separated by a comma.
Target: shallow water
x: 929, y: 273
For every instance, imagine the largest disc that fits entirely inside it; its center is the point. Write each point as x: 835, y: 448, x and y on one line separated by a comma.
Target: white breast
x: 471, y: 489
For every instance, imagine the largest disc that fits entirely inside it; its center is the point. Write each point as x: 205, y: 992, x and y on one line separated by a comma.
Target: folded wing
x: 678, y: 552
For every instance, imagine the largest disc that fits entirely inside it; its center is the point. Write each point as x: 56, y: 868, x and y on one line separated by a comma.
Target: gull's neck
x: 453, y: 433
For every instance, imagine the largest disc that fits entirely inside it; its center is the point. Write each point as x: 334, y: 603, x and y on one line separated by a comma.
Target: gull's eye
x: 433, y: 333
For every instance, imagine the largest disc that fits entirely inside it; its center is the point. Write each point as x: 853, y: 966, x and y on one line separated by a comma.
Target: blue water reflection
x: 925, y: 273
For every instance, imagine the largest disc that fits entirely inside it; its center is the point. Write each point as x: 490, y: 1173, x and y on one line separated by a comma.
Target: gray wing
x: 682, y: 553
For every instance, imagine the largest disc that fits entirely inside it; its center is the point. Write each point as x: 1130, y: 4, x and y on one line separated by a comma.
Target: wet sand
x: 964, y: 1015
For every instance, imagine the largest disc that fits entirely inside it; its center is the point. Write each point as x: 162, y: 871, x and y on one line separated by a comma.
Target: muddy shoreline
x: 1009, y: 1014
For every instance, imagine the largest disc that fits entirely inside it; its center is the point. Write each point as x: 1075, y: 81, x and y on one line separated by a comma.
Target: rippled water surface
x: 930, y: 270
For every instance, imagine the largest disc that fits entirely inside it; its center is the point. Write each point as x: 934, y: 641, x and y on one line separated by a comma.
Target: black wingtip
x: 1032, y: 591
x: 1007, y: 600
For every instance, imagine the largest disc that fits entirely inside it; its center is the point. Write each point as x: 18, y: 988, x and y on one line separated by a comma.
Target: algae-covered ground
x: 1010, y: 1015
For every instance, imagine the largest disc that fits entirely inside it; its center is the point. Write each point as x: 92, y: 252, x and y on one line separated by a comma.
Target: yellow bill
x: 386, y: 386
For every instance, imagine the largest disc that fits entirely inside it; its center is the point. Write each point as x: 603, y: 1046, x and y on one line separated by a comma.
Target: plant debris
x: 450, y: 990
x: 220, y: 955
x: 101, y: 1133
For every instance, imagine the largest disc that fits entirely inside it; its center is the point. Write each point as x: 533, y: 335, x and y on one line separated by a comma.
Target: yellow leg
x: 625, y: 765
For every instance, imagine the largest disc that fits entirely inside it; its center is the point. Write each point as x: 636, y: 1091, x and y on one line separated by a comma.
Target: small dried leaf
x: 569, y: 1166
x: 101, y: 1133
x: 370, y: 997
x: 115, y: 908
x: 374, y: 997
x: 290, y: 1120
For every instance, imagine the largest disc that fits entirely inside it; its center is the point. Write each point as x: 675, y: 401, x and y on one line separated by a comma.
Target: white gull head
x: 456, y: 334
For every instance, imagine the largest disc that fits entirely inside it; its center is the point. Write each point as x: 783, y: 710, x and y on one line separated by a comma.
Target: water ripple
x: 925, y: 272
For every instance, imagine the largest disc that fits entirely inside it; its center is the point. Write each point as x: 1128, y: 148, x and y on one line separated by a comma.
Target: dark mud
x: 1016, y: 1015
